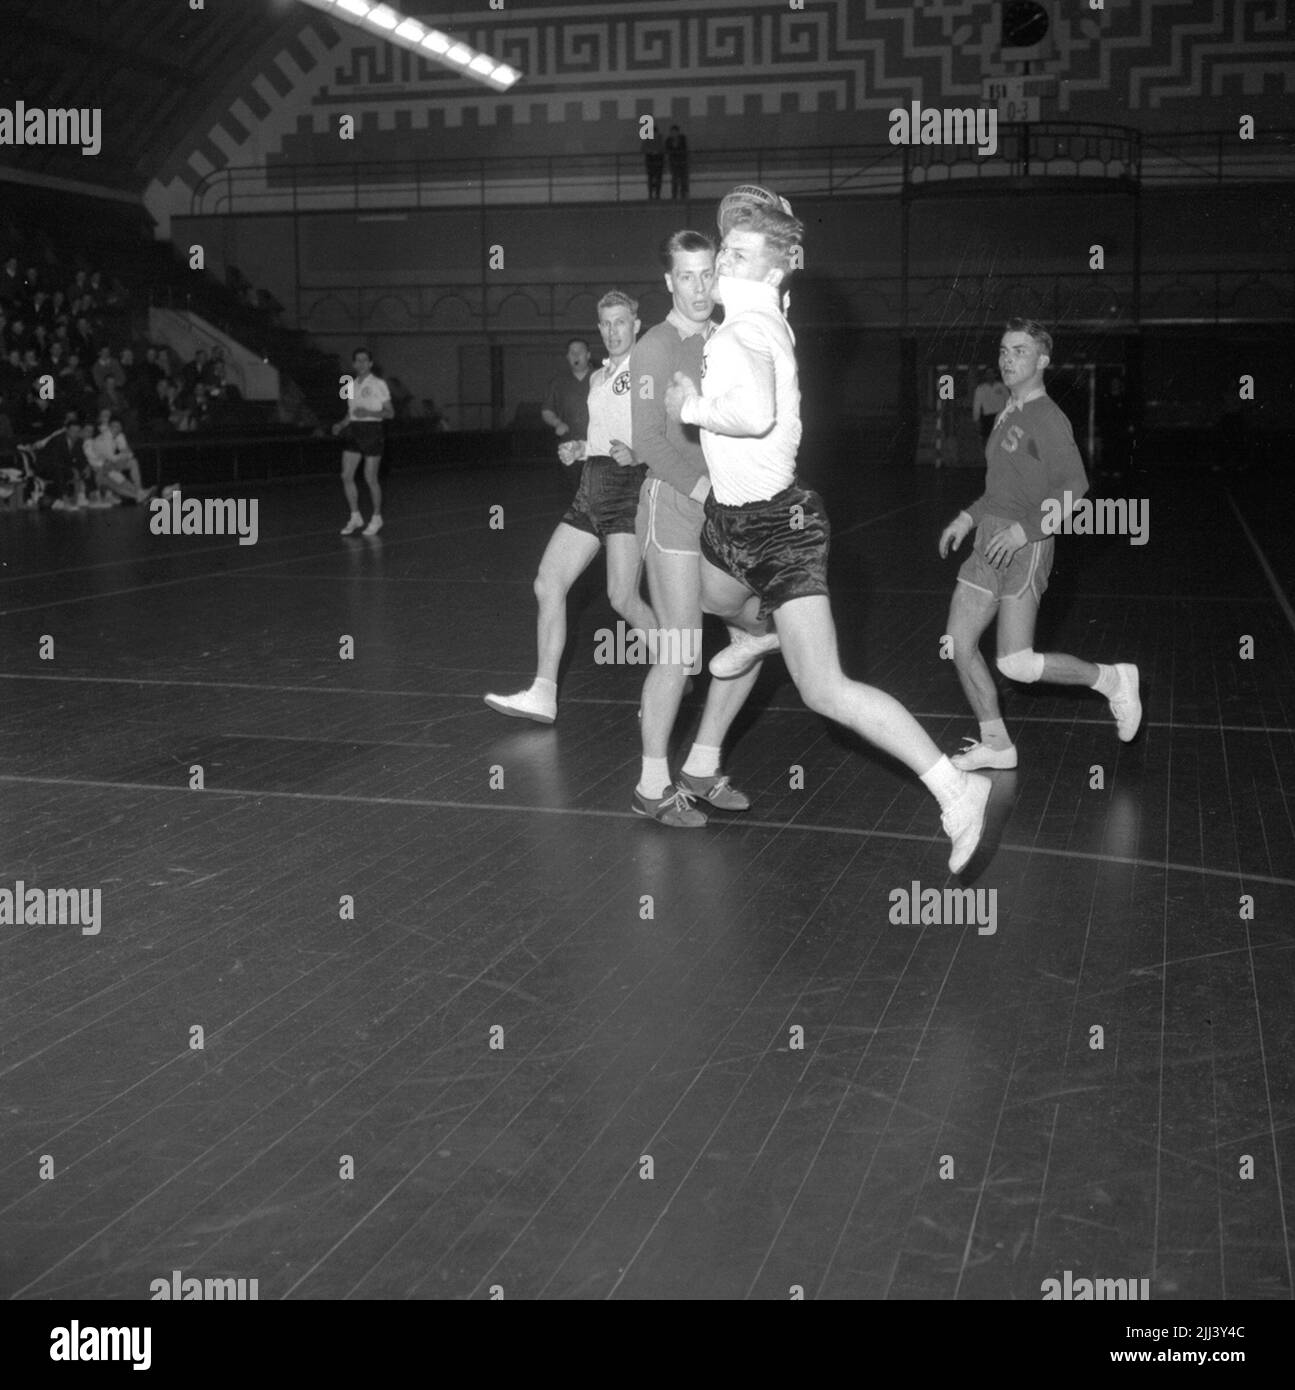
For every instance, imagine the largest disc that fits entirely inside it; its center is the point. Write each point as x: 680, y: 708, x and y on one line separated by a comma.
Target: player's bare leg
x: 565, y: 559
x: 371, y: 466
x: 810, y: 649
x: 971, y: 611
x: 350, y: 462
x: 624, y: 578
x: 1118, y: 683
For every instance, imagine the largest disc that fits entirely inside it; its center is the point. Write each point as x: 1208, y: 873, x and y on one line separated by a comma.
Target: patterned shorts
x: 777, y: 548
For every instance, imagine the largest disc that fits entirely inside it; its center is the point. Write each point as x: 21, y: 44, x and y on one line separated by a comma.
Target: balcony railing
x: 1047, y: 149
x: 1260, y: 294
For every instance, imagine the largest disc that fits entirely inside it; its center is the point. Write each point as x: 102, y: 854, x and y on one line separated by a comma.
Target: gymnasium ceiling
x: 154, y: 67
x: 158, y: 69
x: 151, y: 65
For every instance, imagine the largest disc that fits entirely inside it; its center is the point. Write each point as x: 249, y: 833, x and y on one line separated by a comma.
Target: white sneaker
x: 976, y: 755
x: 1125, y: 704
x: 374, y: 526
x: 352, y: 526
x: 741, y: 654
x: 964, y: 821
x: 527, y: 704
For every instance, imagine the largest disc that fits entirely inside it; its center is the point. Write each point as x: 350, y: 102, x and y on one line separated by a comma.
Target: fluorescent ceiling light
x: 388, y: 23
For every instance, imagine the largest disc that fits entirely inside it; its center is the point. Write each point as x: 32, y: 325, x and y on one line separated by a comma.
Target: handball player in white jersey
x: 602, y: 512
x: 362, y: 438
x: 765, y: 540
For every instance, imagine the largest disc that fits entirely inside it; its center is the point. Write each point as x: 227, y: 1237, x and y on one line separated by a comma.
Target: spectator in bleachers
x: 194, y: 372
x: 138, y: 388
x: 153, y: 369
x: 13, y: 380
x: 222, y: 389
x: 175, y: 406
x: 8, y: 440
x: 200, y: 411
x: 74, y: 385
x: 109, y: 378
x: 11, y: 284
x: 59, y: 459
x: 83, y: 338
x: 40, y: 414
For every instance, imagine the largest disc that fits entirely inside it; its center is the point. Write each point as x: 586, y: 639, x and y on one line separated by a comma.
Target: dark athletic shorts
x: 778, y: 548
x: 607, y: 500
x: 363, y: 437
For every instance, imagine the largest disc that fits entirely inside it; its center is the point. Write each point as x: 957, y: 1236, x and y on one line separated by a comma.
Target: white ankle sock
x: 945, y: 783
x: 1107, y: 682
x: 541, y: 685
x: 703, y: 761
x: 654, y: 778
x: 993, y: 734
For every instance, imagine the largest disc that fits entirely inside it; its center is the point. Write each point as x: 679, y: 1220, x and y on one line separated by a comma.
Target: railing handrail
x: 290, y: 176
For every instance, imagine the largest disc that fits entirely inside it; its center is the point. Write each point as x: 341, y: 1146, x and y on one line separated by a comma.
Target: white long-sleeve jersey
x: 749, y: 407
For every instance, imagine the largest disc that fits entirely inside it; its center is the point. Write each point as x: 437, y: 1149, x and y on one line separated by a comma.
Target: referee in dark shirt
x: 566, y: 402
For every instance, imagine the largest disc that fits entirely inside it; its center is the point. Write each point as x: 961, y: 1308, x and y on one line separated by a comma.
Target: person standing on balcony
x: 362, y: 436
x: 654, y: 158
x: 676, y: 148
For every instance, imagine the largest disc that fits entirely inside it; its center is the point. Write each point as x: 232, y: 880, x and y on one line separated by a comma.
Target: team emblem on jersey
x: 1012, y: 439
x: 621, y: 384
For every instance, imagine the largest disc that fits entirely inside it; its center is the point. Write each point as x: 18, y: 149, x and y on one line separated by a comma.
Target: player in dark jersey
x: 1033, y: 463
